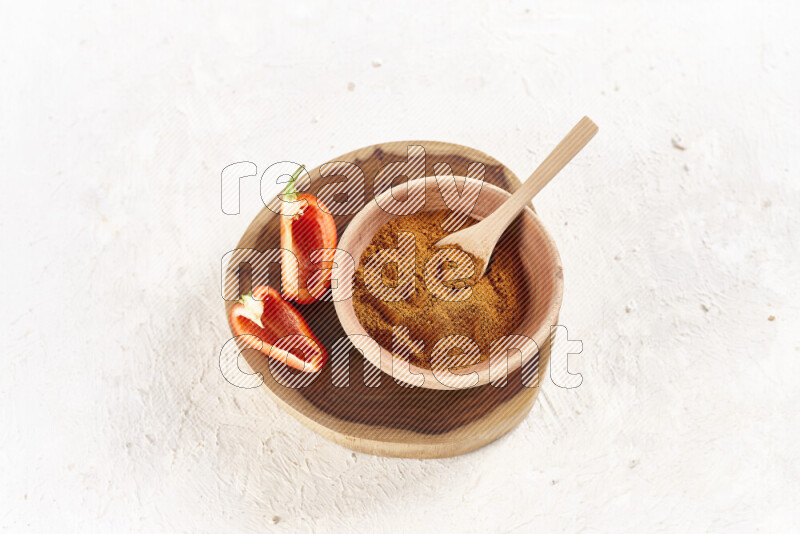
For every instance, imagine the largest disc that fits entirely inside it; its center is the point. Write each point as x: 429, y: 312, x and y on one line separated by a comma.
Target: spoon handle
x: 573, y: 142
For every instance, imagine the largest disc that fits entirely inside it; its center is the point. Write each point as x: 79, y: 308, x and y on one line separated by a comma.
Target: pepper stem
x: 253, y: 309
x: 290, y: 192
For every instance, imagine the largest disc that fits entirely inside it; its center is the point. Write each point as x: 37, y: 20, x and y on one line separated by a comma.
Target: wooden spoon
x: 480, y: 239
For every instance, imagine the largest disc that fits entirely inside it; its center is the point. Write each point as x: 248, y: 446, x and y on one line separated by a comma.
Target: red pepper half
x: 266, y: 315
x: 306, y: 226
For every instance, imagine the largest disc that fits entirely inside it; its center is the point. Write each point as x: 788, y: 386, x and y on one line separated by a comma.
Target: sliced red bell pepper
x: 306, y: 226
x: 266, y: 315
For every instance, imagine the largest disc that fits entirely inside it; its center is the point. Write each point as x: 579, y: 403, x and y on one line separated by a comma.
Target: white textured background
x: 117, y: 120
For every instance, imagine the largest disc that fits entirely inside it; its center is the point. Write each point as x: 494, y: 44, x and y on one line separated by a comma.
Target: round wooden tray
x: 390, y: 419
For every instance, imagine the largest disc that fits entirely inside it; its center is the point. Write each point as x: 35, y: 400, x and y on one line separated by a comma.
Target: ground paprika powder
x: 489, y: 313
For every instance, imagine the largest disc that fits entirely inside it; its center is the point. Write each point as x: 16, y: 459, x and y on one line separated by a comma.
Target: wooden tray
x: 391, y: 420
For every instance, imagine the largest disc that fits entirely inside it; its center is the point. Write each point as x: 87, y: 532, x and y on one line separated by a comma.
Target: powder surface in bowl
x: 489, y: 313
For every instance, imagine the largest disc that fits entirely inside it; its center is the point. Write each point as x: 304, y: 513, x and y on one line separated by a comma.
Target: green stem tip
x: 290, y: 192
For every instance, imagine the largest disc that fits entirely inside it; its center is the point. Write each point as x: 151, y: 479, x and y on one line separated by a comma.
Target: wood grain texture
x: 391, y: 420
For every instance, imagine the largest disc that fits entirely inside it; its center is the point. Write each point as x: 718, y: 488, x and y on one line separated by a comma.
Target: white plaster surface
x: 117, y: 119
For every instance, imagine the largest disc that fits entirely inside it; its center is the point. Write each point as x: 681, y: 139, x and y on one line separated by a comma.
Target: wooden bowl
x: 374, y: 415
x: 540, y: 269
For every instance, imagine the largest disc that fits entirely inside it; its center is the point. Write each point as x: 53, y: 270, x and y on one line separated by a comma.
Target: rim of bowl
x: 405, y: 371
